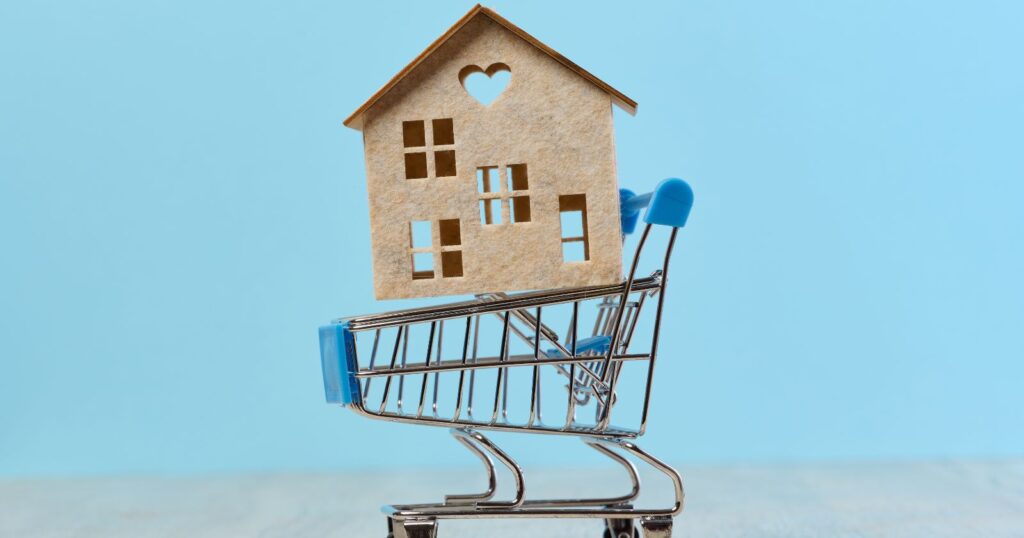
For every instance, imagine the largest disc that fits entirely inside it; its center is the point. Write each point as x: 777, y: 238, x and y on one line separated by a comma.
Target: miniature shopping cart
x: 490, y: 363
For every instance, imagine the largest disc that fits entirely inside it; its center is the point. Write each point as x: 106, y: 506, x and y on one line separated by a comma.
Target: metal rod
x: 600, y: 316
x: 373, y: 358
x: 522, y: 315
x: 492, y: 482
x: 401, y: 378
x: 530, y: 340
x: 490, y: 362
x: 501, y: 371
x: 535, y: 385
x: 472, y: 373
x: 426, y: 364
x: 657, y: 331
x: 577, y: 430
x: 513, y: 467
x: 462, y: 373
x: 570, y: 414
x: 630, y: 307
x: 437, y: 380
x: 609, y: 320
x: 394, y: 357
x: 605, y: 415
x: 636, y: 316
x: 634, y: 478
x: 677, y: 481
x: 556, y: 509
x: 470, y: 308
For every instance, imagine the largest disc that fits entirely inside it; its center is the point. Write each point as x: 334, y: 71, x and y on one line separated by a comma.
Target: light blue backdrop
x: 180, y: 207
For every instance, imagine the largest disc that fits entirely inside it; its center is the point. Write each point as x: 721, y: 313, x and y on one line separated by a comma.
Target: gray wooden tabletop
x: 938, y: 499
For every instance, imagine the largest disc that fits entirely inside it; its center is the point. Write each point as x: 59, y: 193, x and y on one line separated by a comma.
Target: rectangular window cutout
x: 450, y: 232
x: 422, y: 265
x: 413, y: 135
x: 573, y: 202
x: 444, y: 163
x: 517, y: 180
x: 520, y: 209
x: 572, y: 224
x: 415, y: 165
x: 490, y: 211
x: 574, y: 252
x: 451, y: 263
x: 419, y: 234
x: 484, y: 177
x: 573, y: 214
x: 444, y: 132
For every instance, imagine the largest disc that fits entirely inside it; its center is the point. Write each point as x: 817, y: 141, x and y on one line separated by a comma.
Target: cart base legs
x: 655, y: 527
x: 412, y: 528
x: 620, y: 518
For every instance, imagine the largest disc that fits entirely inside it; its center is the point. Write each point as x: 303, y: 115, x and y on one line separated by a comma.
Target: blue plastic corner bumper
x: 338, y: 360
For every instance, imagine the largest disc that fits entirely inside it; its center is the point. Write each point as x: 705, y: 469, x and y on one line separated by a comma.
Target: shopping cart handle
x: 668, y: 205
x: 338, y: 362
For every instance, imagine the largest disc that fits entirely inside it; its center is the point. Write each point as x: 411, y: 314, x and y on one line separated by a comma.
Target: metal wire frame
x: 589, y: 376
x: 587, y: 382
x: 509, y: 302
x: 611, y: 374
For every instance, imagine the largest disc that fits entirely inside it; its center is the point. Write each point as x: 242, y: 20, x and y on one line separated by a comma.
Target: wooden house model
x: 517, y: 194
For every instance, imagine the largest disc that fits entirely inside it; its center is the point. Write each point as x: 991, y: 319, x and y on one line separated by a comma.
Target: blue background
x: 180, y: 207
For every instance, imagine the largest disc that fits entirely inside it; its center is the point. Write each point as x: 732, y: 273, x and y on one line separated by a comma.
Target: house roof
x: 355, y: 121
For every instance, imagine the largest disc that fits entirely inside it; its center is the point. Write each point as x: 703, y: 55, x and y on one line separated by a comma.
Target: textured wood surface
x: 548, y: 118
x: 962, y: 499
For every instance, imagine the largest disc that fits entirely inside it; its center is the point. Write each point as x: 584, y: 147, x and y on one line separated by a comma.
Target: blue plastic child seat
x: 628, y: 212
x: 592, y: 344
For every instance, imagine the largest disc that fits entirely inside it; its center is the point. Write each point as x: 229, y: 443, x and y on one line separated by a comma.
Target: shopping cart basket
x: 503, y: 360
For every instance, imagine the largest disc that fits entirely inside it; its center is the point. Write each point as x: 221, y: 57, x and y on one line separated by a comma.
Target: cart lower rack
x: 498, y: 363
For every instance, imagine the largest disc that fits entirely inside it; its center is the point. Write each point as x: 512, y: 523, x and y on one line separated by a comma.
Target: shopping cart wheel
x: 412, y: 528
x: 620, y: 528
x: 657, y: 527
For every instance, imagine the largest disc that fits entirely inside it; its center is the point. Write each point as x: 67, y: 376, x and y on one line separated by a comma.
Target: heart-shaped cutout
x: 485, y: 85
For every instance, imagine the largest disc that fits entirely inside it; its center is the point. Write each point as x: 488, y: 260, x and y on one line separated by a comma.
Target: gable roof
x: 625, y: 103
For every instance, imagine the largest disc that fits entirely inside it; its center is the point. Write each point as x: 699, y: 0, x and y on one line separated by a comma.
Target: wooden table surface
x: 912, y: 500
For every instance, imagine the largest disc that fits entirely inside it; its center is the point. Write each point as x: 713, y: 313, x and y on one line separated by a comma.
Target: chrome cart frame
x: 591, y: 367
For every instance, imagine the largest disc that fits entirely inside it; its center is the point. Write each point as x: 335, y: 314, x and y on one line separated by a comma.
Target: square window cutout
x: 444, y: 163
x: 572, y: 224
x: 520, y: 209
x: 486, y: 179
x: 419, y: 233
x: 444, y: 132
x: 413, y: 135
x: 451, y: 235
x: 451, y: 263
x: 517, y: 180
x: 422, y: 265
x: 574, y: 251
x: 415, y: 165
x: 490, y: 211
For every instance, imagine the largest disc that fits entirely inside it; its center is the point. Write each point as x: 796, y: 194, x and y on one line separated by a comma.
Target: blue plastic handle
x: 338, y: 362
x: 671, y: 203
x: 668, y: 205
